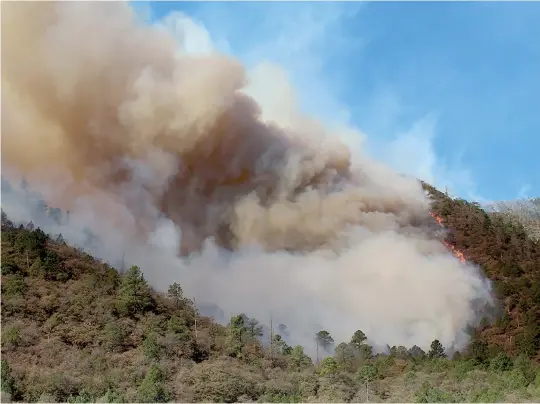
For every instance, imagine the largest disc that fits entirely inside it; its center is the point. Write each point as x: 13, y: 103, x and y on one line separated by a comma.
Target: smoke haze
x: 165, y: 155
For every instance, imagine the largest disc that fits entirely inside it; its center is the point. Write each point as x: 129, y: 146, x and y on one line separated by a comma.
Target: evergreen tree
x: 152, y: 389
x: 358, y: 339
x: 134, y: 295
x: 323, y: 340
x: 436, y: 350
x: 176, y: 294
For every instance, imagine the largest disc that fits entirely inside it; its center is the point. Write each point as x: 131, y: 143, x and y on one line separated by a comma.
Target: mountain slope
x: 75, y: 329
x: 509, y: 258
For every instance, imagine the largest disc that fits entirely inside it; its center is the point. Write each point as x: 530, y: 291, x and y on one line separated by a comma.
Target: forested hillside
x: 74, y: 329
x: 524, y: 211
x: 510, y: 258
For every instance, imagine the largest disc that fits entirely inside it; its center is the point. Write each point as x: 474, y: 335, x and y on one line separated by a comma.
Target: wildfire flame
x: 457, y: 253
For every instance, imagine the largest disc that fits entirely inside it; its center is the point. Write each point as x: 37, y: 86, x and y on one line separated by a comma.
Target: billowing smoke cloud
x: 164, y: 155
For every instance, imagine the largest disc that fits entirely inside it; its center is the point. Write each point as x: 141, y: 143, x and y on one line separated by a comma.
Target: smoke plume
x: 166, y: 158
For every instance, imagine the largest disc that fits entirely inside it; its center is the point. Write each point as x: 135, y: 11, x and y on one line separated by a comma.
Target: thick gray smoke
x: 164, y: 155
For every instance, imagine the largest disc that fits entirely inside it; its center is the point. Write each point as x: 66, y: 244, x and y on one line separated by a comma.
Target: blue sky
x: 446, y: 91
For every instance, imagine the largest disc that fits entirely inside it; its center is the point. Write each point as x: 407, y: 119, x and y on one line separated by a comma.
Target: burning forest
x: 165, y: 154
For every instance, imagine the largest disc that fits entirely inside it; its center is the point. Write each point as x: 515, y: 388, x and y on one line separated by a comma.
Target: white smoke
x: 158, y: 151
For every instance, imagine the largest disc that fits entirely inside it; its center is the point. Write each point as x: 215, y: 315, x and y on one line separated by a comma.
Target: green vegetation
x: 75, y: 330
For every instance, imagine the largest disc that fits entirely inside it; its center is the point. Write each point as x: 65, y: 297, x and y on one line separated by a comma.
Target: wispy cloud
x: 524, y: 191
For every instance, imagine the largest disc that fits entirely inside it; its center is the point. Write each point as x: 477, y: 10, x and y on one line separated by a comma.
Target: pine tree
x: 436, y: 350
x: 324, y: 340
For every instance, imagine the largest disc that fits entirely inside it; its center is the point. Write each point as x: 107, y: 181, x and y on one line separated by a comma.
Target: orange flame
x: 437, y: 218
x: 457, y: 253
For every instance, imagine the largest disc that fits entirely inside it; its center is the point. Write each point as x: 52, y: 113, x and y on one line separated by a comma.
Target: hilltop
x: 524, y: 211
x: 75, y: 329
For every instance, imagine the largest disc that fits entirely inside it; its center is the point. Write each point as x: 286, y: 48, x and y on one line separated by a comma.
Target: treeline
x: 524, y: 211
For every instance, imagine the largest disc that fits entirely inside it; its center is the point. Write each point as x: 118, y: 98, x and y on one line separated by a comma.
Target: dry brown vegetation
x: 510, y: 258
x: 74, y: 329
x: 525, y: 211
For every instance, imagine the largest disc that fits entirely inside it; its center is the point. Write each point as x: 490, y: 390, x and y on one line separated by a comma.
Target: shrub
x: 11, y: 336
x: 152, y: 349
x: 9, y: 267
x: 152, y: 389
x: 14, y: 286
x: 501, y: 362
x: 6, y: 379
x: 328, y: 366
x: 113, y: 337
x: 430, y: 394
x: 223, y: 381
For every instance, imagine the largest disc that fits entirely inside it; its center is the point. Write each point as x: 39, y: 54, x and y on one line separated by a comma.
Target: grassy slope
x: 74, y: 329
